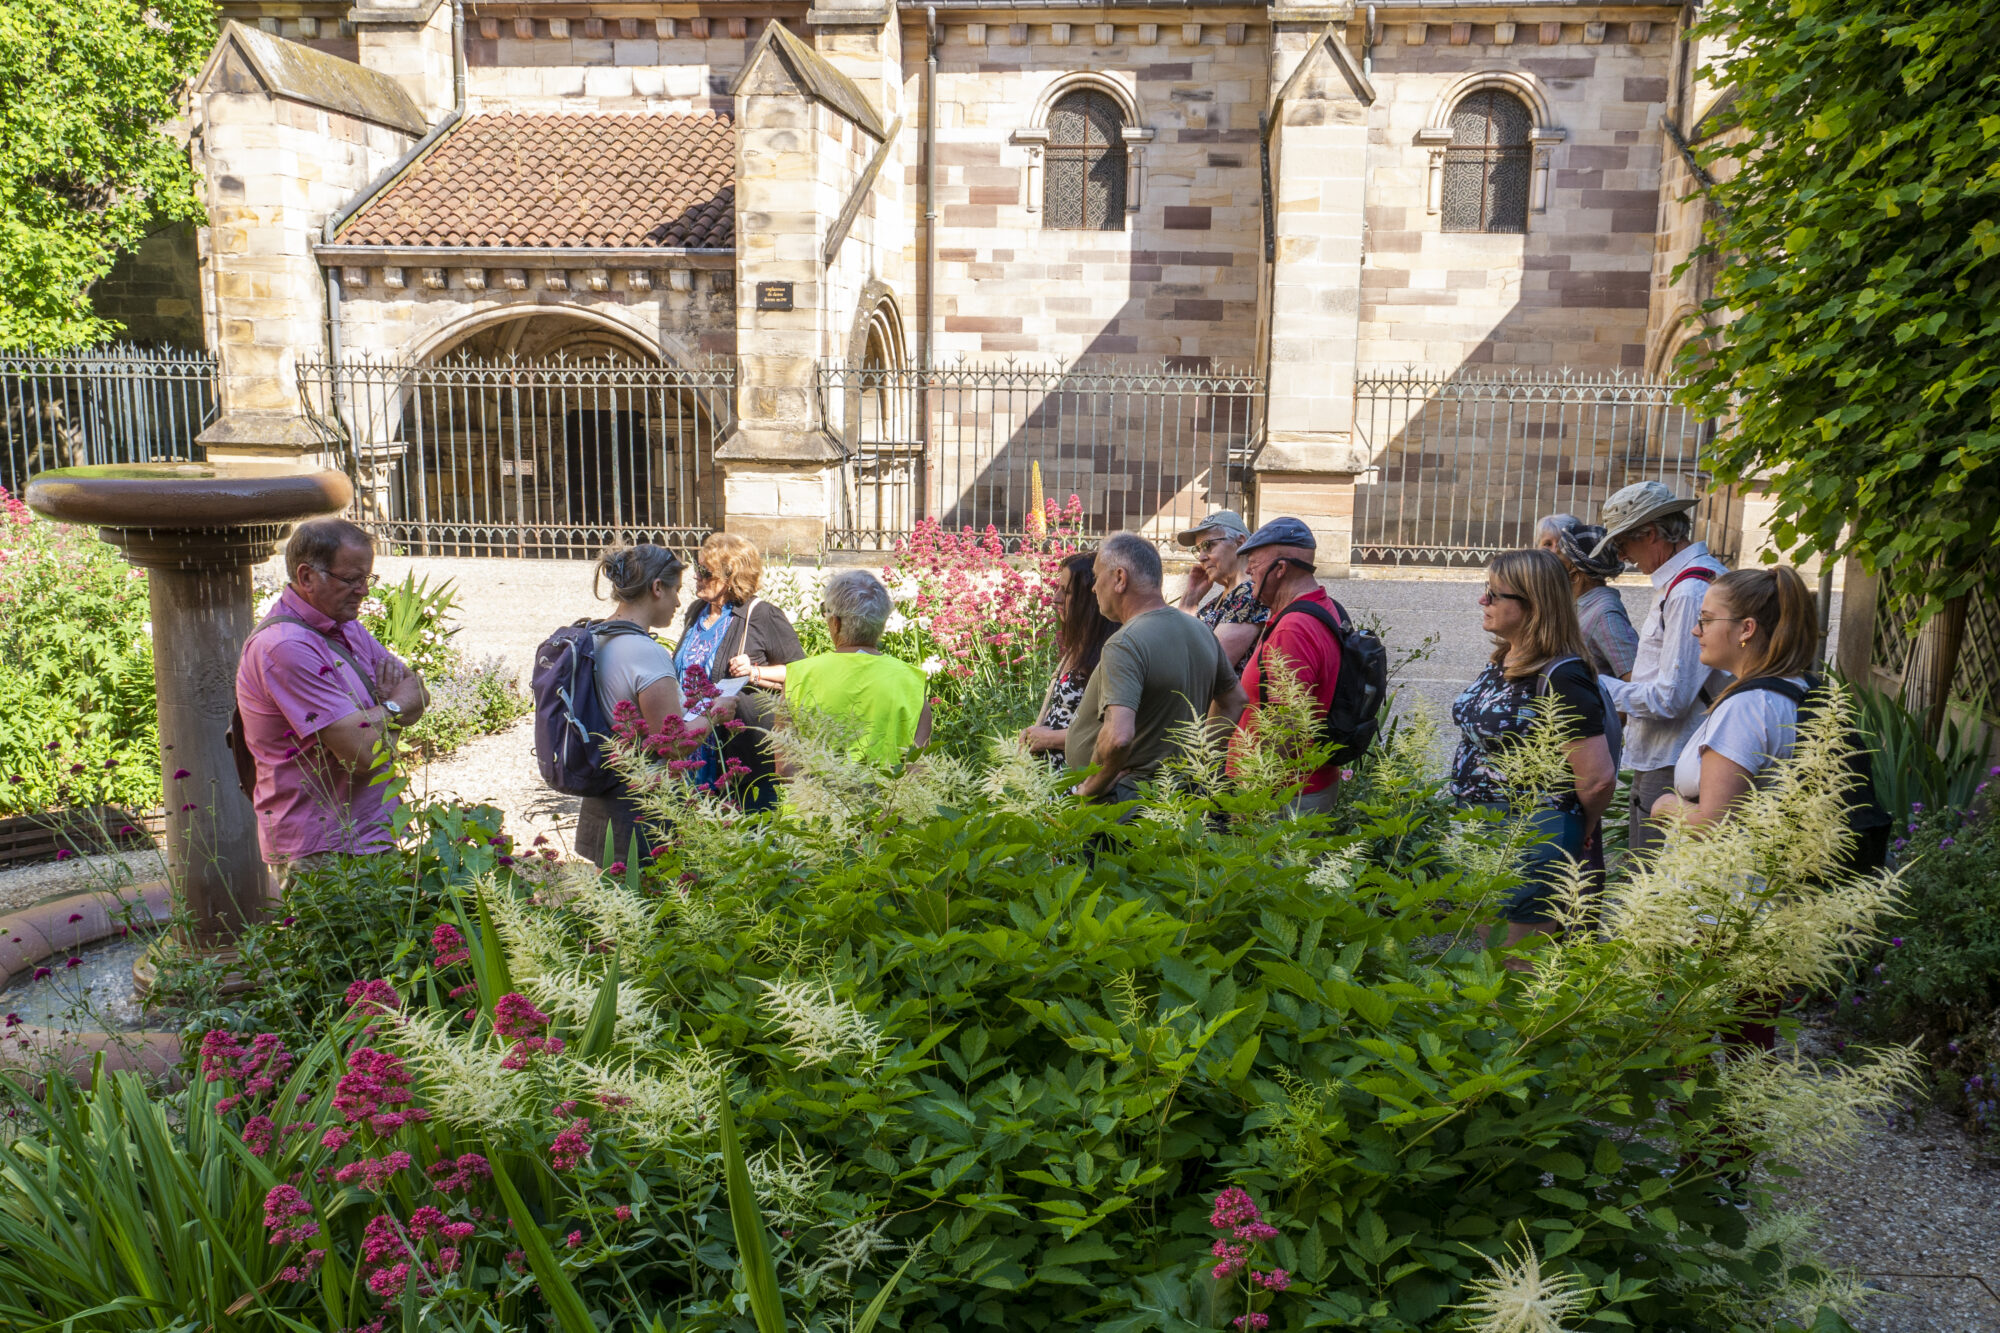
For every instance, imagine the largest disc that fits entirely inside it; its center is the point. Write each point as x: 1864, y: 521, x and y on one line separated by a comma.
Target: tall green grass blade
x: 599, y: 1032
x: 499, y: 981
x: 869, y: 1316
x: 753, y: 1252
x: 565, y: 1301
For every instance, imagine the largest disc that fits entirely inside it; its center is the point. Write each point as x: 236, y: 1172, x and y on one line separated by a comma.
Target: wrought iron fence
x: 119, y: 404
x: 1143, y: 452
x: 1462, y: 466
x: 558, y: 458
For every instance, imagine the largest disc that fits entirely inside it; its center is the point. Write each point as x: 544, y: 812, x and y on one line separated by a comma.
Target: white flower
x: 1518, y: 1298
x: 464, y: 1081
x: 786, y: 1186
x: 819, y: 1026
x: 896, y: 623
x: 933, y: 664
x: 147, y: 629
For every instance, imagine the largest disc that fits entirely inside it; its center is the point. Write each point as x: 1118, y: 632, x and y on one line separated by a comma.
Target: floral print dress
x: 1238, y: 606
x: 1065, y: 695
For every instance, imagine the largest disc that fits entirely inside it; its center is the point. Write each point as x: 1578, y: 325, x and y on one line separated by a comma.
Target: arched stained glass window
x: 1084, y: 184
x: 1488, y: 166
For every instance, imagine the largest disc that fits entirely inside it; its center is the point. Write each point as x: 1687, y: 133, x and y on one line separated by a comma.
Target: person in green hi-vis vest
x: 887, y: 699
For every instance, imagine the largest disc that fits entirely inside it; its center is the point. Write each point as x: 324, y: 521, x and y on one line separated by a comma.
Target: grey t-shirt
x: 1166, y: 667
x: 627, y: 664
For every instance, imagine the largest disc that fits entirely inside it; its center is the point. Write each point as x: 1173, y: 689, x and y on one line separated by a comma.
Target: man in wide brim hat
x: 1646, y: 524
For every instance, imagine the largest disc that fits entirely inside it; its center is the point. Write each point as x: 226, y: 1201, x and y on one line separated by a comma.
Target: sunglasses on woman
x: 1491, y: 595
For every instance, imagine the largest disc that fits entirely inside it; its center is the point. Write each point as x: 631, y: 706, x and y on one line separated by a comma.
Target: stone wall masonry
x: 1179, y: 283
x: 1574, y: 291
x: 578, y: 72
x: 155, y: 290
x: 274, y: 169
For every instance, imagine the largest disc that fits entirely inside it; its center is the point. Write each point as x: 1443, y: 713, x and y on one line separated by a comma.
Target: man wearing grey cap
x: 1231, y: 608
x: 1649, y: 526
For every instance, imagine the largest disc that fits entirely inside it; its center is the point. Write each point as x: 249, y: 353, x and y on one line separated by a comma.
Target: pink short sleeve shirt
x: 289, y: 685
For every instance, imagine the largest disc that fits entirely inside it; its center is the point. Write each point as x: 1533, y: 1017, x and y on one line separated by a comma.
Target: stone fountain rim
x: 39, y: 925
x: 232, y: 496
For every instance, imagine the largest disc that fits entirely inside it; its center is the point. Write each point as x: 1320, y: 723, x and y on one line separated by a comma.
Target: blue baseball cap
x: 1280, y: 532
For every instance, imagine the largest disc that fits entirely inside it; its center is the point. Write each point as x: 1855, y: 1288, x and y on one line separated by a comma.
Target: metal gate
x: 525, y: 459
x: 1462, y: 467
x: 1148, y: 453
x: 111, y: 405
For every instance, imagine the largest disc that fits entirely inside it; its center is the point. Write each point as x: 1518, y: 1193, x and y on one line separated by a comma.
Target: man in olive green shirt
x: 1161, y: 670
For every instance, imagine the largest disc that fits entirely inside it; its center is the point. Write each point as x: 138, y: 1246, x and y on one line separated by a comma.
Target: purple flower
x: 1947, y: 842
x: 1975, y: 1082
x: 41, y: 972
x: 617, y: 867
x: 75, y: 917
x: 504, y: 860
x: 1901, y: 843
x: 73, y: 963
x: 124, y: 829
x: 1917, y: 806
x: 180, y: 773
x: 64, y: 853
x: 1895, y: 941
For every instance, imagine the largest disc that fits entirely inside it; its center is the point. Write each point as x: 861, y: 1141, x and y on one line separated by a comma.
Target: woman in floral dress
x: 1231, y: 608
x: 1081, y: 630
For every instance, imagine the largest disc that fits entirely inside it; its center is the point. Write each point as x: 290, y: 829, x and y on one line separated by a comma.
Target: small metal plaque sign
x: 512, y: 468
x: 774, y: 296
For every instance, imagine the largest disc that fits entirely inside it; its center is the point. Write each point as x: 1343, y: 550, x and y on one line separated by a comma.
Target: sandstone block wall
x: 155, y: 291
x: 1179, y: 283
x: 1575, y: 290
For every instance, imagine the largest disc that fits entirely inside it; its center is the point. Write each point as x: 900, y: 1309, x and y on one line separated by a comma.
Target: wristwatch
x: 394, y: 712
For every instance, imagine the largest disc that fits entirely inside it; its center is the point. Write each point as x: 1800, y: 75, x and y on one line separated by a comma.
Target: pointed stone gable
x: 1326, y: 71
x: 249, y: 60
x: 782, y: 63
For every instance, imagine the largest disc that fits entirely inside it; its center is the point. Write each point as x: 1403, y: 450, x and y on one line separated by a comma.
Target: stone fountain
x: 198, y: 529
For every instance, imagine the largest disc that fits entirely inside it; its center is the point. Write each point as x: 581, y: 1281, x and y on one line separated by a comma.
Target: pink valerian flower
x: 623, y: 1212
x: 1256, y: 1319
x: 375, y: 1082
x: 335, y: 1139
x: 373, y: 997
x: 573, y: 1239
x: 284, y: 1207
x: 304, y: 1269
x: 527, y: 1048
x: 449, y: 946
x: 1275, y: 1280
x: 259, y: 1134
x: 388, y: 1283
x: 1256, y: 1232
x: 514, y: 1015
x: 255, y: 1070
x: 449, y: 1177
x: 1233, y: 1258
x: 1233, y: 1207
x: 571, y: 1147
x: 374, y: 1173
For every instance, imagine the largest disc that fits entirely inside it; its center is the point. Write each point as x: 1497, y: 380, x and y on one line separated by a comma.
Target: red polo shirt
x: 1314, y: 656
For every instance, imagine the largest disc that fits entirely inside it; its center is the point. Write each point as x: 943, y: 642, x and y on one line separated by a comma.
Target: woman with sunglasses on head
x: 1609, y: 640
x: 1081, y: 629
x: 1538, y: 651
x: 732, y: 633
x: 1231, y: 608
x: 1761, y: 626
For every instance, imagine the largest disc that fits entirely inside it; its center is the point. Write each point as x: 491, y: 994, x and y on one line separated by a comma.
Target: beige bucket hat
x: 1225, y: 521
x: 1634, y: 507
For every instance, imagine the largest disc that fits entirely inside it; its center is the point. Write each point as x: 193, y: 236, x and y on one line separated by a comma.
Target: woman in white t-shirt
x: 634, y: 668
x: 1758, y: 625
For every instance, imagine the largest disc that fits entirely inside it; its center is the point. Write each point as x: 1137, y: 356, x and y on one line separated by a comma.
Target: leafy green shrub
x: 413, y: 620
x: 1910, y: 771
x: 1022, y: 1049
x: 1937, y: 979
x: 467, y: 701
x: 77, y: 719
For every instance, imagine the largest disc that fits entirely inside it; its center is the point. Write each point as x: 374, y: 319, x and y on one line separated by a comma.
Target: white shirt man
x: 1662, y: 703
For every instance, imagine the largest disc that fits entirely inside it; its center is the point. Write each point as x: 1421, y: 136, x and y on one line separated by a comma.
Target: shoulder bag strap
x: 338, y: 648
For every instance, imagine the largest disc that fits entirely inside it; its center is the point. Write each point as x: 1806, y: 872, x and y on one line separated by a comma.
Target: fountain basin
x: 186, y: 495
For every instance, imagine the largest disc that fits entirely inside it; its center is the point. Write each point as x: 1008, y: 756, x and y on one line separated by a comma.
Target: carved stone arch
x: 1436, y: 136
x: 878, y: 319
x: 611, y: 319
x: 1135, y: 133
x: 1684, y: 326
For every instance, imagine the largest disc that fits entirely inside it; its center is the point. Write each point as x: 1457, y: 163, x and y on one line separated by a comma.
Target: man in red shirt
x: 1279, y: 560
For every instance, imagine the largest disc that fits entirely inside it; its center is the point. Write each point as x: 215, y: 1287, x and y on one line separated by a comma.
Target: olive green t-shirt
x: 1165, y: 666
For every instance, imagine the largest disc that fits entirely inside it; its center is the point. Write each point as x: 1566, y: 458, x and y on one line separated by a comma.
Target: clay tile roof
x: 564, y: 181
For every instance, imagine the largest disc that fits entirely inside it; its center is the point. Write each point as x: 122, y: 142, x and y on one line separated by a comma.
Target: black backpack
x: 1354, y: 717
x: 570, y: 725
x: 1867, y: 818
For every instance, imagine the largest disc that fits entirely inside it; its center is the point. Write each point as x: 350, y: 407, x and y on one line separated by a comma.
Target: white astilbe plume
x: 1520, y: 1298
x: 1795, y: 1300
x: 1534, y: 764
x: 1278, y: 745
x: 1483, y: 851
x: 692, y: 915
x: 1337, y: 870
x: 626, y: 920
x: 827, y: 784
x: 819, y: 1026
x: 1405, y: 763
x: 464, y: 1082
x: 1803, y: 1109
x: 1020, y: 781
x: 533, y: 937
x: 930, y: 783
x: 787, y: 1185
x: 1198, y: 762
x: 669, y: 1101
x: 848, y: 1250
x: 1752, y: 892
x: 572, y: 996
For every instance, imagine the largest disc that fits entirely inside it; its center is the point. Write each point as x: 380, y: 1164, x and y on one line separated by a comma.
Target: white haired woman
x: 886, y: 698
x: 1610, y: 643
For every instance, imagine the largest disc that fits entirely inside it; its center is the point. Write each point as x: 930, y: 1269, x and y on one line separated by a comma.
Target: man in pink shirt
x: 322, y: 701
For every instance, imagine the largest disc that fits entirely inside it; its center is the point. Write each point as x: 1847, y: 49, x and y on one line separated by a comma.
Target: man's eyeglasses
x: 1492, y: 595
x: 365, y: 581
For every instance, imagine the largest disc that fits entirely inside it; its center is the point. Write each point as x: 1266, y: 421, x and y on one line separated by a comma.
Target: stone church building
x: 797, y: 257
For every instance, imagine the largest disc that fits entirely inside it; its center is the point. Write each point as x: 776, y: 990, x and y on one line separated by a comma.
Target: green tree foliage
x: 86, y: 165
x: 1860, y: 240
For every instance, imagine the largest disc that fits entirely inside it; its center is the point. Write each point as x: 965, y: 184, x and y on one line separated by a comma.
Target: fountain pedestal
x: 198, y: 530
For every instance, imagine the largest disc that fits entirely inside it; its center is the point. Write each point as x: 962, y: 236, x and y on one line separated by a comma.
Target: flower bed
x: 951, y: 1049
